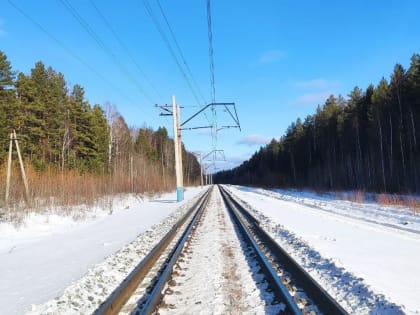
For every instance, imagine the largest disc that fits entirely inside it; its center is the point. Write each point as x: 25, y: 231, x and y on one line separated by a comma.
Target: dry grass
x: 384, y: 199
x: 357, y: 196
x: 409, y: 202
x: 54, y: 189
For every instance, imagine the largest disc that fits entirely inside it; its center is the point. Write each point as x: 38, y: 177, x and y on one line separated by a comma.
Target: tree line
x: 368, y: 141
x: 58, y: 129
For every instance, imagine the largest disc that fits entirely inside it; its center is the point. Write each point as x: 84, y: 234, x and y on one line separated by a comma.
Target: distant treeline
x: 370, y: 141
x: 58, y: 129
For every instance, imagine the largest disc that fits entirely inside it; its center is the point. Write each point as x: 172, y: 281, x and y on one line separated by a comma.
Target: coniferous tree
x: 30, y: 125
x: 59, y: 130
x: 100, y: 138
x: 369, y: 141
x: 7, y: 102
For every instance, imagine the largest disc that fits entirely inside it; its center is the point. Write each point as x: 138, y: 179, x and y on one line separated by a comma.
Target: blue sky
x: 277, y: 60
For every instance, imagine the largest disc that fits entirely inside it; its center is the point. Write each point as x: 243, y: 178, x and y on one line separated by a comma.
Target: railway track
x: 292, y: 284
x: 138, y: 281
x: 287, y: 288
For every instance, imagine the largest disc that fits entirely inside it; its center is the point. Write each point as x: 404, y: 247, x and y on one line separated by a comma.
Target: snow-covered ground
x: 366, y: 255
x: 48, y: 253
x: 214, y: 276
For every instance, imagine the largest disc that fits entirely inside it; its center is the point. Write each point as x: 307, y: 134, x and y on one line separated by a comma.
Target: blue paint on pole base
x: 179, y: 194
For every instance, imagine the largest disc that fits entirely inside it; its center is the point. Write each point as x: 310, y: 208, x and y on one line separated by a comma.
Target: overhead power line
x: 214, y: 130
x: 77, y: 57
x: 55, y: 39
x: 211, y: 54
x: 180, y: 52
x: 230, y: 108
x: 103, y: 46
x: 124, y: 47
x: 165, y: 39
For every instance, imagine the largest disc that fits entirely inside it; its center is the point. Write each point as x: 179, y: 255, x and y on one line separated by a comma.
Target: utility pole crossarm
x: 235, y: 118
x: 193, y: 128
x: 226, y: 106
x: 166, y: 110
x: 197, y: 113
x: 214, y: 152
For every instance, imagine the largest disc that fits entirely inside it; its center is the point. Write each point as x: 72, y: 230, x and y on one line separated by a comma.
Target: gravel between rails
x: 218, y: 274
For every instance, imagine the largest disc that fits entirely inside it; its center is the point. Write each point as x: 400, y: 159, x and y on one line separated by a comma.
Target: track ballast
x: 218, y: 260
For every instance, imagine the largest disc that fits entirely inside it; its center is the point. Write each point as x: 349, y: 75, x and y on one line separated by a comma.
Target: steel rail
x: 318, y: 295
x: 156, y: 295
x: 280, y: 291
x: 119, y: 297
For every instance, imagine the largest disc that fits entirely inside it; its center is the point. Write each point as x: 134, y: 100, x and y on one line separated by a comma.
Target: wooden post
x: 22, y: 168
x: 9, y: 168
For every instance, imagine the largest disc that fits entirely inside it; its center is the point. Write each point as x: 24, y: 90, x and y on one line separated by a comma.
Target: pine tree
x: 83, y: 151
x: 7, y: 102
x: 30, y: 122
x: 100, y: 138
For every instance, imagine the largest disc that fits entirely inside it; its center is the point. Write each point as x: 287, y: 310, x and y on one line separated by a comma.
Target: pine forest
x: 74, y: 151
x: 368, y: 141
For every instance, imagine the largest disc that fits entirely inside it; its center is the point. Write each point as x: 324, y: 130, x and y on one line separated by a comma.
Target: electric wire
x: 211, y: 53
x: 149, y: 11
x: 180, y: 52
x: 212, y: 85
x: 183, y: 58
x: 103, y: 46
x: 76, y: 57
x: 124, y: 47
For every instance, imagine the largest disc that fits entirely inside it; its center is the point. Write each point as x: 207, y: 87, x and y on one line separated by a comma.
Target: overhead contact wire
x: 73, y: 54
x: 180, y: 52
x: 169, y: 47
x: 124, y: 47
x: 102, y: 45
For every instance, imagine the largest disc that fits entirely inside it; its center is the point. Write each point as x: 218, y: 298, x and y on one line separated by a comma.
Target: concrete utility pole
x: 178, y: 126
x: 178, y: 151
x: 181, y: 168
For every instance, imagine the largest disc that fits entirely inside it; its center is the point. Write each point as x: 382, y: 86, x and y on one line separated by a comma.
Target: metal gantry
x: 174, y: 111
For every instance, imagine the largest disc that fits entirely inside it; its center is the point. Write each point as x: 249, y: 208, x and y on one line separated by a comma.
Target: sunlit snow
x: 365, y: 255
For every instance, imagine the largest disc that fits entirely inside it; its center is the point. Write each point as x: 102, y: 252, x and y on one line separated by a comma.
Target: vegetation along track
x: 284, y: 285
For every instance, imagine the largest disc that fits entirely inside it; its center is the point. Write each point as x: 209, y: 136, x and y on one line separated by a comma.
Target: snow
x: 48, y: 252
x: 215, y: 257
x: 364, y: 254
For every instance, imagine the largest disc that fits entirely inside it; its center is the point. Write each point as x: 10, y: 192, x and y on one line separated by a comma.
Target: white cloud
x: 316, y: 91
x: 271, y: 56
x: 252, y: 140
x: 318, y: 84
x: 313, y: 98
